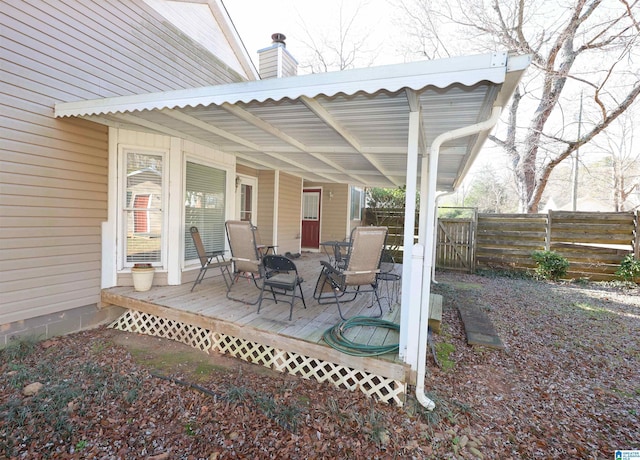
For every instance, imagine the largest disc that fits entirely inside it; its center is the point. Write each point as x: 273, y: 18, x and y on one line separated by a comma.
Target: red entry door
x: 311, y: 218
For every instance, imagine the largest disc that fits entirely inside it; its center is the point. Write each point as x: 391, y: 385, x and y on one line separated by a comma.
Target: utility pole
x: 574, y: 188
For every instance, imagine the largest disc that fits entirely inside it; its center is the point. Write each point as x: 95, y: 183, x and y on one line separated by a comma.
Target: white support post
x: 109, y: 232
x: 410, y: 301
x: 174, y: 213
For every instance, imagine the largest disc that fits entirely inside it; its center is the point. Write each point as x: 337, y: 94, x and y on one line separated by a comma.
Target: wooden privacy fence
x: 393, y: 219
x: 594, y: 242
x: 455, y: 244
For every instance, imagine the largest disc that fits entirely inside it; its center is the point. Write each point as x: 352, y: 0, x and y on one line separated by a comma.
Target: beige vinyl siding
x: 266, y: 205
x: 336, y: 212
x: 98, y: 49
x: 247, y: 171
x: 53, y: 199
x: 276, y: 62
x: 289, y: 213
x: 53, y: 173
x: 198, y: 21
x: 268, y: 62
x: 289, y: 64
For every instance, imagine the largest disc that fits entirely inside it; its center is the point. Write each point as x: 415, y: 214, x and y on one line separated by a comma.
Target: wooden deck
x: 207, y: 307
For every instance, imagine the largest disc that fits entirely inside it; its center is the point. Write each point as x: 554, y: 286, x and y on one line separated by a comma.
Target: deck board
x: 208, y: 306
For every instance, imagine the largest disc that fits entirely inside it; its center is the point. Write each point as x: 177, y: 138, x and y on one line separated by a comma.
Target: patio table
x: 334, y: 250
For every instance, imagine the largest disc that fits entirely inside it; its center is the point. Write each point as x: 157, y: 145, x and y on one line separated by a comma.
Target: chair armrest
x: 240, y: 259
x: 329, y: 267
x: 359, y: 272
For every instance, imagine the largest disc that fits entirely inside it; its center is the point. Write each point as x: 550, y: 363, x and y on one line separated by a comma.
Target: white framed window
x: 144, y: 195
x: 246, y: 198
x: 311, y: 205
x: 143, y: 207
x: 204, y: 207
x: 357, y: 203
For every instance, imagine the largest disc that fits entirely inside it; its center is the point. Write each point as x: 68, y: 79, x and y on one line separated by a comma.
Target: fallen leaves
x: 567, y: 385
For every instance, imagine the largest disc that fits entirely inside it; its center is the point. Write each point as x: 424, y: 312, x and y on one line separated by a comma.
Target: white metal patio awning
x: 350, y: 126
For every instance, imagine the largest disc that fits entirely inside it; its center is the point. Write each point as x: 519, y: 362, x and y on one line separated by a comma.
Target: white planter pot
x: 142, y: 278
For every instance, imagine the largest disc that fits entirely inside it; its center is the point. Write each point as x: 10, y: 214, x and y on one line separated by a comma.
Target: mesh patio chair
x: 281, y: 277
x: 339, y: 285
x: 245, y: 256
x: 264, y: 249
x: 209, y: 260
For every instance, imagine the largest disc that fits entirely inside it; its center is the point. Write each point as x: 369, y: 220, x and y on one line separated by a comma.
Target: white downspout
x: 428, y: 246
x: 435, y: 223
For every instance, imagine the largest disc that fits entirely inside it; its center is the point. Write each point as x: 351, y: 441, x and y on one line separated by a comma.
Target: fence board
x: 507, y: 240
x: 454, y: 244
x: 583, y: 238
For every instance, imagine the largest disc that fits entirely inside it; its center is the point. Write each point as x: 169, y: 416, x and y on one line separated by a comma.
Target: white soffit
x: 348, y: 126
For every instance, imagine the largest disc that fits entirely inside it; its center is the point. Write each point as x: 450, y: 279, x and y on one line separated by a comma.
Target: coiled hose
x: 334, y: 336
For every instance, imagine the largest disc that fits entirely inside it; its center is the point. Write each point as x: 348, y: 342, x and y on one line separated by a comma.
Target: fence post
x: 474, y: 230
x: 547, y: 238
x: 636, y: 229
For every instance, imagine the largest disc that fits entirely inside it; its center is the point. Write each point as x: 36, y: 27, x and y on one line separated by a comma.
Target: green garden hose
x: 334, y: 336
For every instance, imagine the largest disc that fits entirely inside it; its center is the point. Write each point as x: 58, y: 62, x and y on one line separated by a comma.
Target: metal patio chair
x: 213, y: 259
x: 339, y: 285
x: 281, y: 277
x: 389, y: 276
x: 245, y: 256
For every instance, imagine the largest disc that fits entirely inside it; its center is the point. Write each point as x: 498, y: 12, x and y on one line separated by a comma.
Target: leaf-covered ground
x: 567, y: 386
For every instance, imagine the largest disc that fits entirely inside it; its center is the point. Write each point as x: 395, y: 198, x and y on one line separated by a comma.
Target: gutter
x: 428, y: 258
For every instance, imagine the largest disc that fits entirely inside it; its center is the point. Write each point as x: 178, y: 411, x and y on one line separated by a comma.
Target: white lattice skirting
x: 380, y: 388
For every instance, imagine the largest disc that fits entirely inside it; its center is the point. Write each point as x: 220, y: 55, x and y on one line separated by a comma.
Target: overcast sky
x: 257, y: 20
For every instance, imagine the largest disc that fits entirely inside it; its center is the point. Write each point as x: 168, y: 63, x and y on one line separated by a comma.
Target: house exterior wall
x: 289, y: 213
x: 178, y: 153
x: 55, y: 173
x: 334, y: 212
x: 266, y: 206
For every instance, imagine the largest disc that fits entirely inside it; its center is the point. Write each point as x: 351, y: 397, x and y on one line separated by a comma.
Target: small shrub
x: 629, y: 268
x: 551, y: 265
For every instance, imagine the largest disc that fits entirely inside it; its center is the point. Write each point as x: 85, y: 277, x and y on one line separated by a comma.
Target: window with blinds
x: 204, y: 208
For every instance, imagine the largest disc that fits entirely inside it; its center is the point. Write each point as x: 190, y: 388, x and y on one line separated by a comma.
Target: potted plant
x: 142, y: 276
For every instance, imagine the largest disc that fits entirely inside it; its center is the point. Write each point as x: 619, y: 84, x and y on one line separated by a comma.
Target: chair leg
x: 335, y: 293
x: 301, y: 295
x: 199, y: 278
x: 375, y: 291
x: 230, y: 297
x: 293, y: 299
x: 261, y: 295
x: 224, y: 269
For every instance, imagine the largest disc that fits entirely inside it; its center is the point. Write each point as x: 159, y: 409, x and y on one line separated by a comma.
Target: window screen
x: 204, y: 208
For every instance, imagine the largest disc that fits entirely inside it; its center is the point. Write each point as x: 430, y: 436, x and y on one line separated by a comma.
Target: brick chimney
x: 275, y: 61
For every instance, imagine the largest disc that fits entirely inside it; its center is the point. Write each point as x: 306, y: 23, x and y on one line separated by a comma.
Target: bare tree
x: 623, y: 161
x: 340, y: 45
x: 575, y: 45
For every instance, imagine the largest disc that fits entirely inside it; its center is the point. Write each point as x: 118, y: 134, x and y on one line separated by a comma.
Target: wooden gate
x: 455, y: 244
